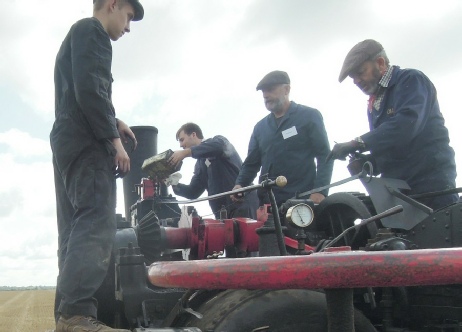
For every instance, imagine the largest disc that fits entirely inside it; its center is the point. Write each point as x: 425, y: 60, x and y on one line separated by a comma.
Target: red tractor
x: 355, y: 262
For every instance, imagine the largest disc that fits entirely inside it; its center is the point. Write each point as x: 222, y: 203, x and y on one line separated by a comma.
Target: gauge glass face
x: 300, y: 215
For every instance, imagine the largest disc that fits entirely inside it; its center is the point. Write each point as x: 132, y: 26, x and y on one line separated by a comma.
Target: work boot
x: 83, y: 324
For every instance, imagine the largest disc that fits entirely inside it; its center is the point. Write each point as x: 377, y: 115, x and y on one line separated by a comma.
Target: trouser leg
x: 64, y: 213
x: 86, y: 237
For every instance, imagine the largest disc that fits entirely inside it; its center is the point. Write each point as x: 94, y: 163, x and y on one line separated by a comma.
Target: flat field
x: 27, y: 311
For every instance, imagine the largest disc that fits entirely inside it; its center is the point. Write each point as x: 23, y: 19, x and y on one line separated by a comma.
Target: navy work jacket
x: 216, y: 169
x: 408, y: 138
x: 84, y: 114
x: 289, y: 149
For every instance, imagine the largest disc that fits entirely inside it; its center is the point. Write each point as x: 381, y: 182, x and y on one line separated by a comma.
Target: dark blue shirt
x: 408, y: 138
x: 216, y: 169
x: 289, y: 149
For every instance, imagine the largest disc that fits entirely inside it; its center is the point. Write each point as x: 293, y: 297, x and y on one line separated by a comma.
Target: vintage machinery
x: 382, y: 262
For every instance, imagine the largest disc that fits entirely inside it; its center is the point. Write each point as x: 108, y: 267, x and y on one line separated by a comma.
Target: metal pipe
x: 437, y: 193
x: 355, y: 269
x: 277, y: 224
x: 366, y: 168
x: 177, y: 238
x: 340, y: 310
x: 280, y: 181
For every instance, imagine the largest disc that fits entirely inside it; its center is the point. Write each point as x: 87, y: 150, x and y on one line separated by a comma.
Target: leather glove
x: 341, y: 150
x: 173, y: 179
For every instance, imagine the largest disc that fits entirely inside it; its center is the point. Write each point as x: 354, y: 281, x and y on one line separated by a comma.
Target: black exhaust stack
x: 147, y: 147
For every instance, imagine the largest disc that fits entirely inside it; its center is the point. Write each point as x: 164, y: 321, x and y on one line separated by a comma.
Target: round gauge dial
x: 300, y: 215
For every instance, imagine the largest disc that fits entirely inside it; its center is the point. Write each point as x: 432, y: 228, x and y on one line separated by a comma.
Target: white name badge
x: 289, y: 132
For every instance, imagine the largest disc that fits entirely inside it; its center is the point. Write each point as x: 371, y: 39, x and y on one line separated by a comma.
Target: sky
x: 200, y: 61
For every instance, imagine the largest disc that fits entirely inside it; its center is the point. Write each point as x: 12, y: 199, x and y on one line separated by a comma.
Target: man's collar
x: 376, y: 99
x: 385, y: 80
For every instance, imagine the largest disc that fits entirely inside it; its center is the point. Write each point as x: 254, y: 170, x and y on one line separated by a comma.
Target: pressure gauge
x: 300, y: 215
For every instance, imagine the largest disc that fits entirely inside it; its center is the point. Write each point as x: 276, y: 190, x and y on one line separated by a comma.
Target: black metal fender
x: 338, y: 212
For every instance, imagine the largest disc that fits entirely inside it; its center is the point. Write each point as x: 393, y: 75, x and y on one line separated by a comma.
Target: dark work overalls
x: 83, y: 158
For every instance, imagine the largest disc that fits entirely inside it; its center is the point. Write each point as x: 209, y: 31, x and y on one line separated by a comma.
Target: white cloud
x: 31, y: 35
x: 27, y: 207
x: 411, y: 11
x: 21, y: 144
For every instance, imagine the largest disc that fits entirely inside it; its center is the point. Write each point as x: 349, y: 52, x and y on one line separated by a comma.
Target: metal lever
x: 386, y: 213
x: 280, y: 181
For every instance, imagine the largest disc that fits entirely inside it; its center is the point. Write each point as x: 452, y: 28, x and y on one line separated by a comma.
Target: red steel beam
x: 320, y: 270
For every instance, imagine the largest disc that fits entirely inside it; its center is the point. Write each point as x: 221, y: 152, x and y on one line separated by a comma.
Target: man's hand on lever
x: 236, y: 197
x: 342, y: 150
x: 317, y: 197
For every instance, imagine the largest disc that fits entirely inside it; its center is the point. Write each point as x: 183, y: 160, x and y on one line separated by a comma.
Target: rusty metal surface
x: 320, y: 270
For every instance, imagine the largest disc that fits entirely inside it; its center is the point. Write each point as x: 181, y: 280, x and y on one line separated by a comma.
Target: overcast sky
x: 200, y: 60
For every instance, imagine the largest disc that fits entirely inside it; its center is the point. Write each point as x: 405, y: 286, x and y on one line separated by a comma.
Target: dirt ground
x: 28, y: 310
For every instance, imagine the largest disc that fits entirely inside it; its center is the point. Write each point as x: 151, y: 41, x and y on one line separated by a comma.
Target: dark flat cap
x: 273, y: 78
x: 361, y: 52
x: 139, y: 10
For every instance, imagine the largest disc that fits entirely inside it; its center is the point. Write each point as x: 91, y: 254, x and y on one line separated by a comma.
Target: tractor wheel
x: 339, y: 211
x: 291, y: 310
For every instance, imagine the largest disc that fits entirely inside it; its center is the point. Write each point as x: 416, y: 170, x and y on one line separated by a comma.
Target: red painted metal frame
x: 321, y: 270
x: 177, y: 238
x: 207, y: 236
x: 289, y: 242
x: 146, y: 189
x: 248, y: 237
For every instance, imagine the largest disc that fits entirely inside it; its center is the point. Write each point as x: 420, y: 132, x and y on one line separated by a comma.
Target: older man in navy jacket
x: 407, y: 137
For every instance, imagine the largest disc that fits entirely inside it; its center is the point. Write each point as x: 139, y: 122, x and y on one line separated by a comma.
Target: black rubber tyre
x: 292, y: 310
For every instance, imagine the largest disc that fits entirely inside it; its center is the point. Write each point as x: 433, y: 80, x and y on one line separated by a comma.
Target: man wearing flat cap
x: 290, y: 141
x: 88, y: 154
x: 407, y: 139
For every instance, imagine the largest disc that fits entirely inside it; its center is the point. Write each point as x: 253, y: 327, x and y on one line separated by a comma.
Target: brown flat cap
x: 361, y: 52
x: 273, y: 78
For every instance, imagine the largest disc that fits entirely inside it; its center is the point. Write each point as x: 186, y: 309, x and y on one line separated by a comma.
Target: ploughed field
x: 27, y: 310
